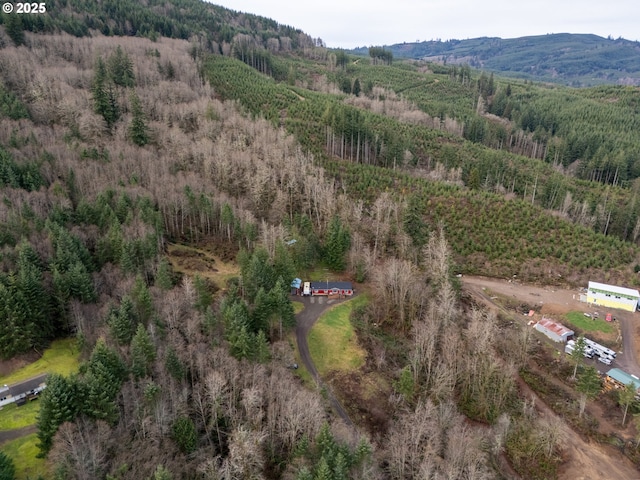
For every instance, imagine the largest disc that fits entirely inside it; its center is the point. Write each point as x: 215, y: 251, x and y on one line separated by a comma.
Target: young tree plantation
x: 130, y: 128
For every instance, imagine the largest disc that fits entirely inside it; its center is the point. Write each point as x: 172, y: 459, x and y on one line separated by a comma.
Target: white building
x: 611, y: 296
x: 555, y: 331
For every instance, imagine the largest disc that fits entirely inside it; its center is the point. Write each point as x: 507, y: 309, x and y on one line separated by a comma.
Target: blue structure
x: 621, y: 378
x: 295, y: 286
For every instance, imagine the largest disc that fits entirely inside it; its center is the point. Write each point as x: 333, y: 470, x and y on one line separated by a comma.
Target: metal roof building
x: 612, y: 296
x: 623, y: 378
x: 555, y: 331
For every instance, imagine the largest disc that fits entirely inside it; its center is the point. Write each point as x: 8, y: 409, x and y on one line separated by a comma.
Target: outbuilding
x: 618, y: 379
x: 295, y: 286
x: 344, y: 289
x: 555, y: 331
x: 612, y: 296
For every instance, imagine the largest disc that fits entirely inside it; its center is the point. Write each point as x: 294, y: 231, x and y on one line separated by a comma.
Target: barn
x: 611, y: 296
x: 344, y: 289
x: 555, y: 331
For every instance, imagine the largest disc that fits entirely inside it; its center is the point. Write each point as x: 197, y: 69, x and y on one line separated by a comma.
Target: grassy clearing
x: 332, y: 340
x: 297, y: 307
x: 61, y: 357
x: 12, y: 416
x: 320, y: 274
x: 194, y: 261
x: 23, y: 452
x: 586, y: 324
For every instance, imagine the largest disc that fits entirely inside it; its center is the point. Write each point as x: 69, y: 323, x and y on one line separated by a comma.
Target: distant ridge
x: 569, y: 59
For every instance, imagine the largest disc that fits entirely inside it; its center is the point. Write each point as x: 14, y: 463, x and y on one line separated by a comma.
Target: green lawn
x: 586, y: 324
x: 12, y: 416
x: 332, y: 340
x: 61, y: 357
x: 23, y: 452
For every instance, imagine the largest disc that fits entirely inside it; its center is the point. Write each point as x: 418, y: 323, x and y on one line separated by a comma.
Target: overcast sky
x: 358, y: 23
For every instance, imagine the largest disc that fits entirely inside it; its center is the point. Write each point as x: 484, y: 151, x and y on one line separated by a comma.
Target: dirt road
x: 313, y: 308
x: 6, y: 435
x: 584, y: 460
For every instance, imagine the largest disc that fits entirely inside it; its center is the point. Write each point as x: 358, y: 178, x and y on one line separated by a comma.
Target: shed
x: 332, y: 288
x: 612, y: 296
x: 555, y: 331
x: 617, y: 378
x: 295, y: 286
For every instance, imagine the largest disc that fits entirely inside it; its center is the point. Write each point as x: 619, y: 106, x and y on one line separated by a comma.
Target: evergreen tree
x: 138, y: 131
x: 103, y: 379
x: 304, y: 474
x: 122, y: 321
x: 14, y: 28
x: 337, y: 244
x: 282, y: 303
x: 60, y: 402
x: 262, y: 309
x: 414, y: 224
x: 323, y: 471
x: 243, y: 343
x: 261, y: 352
x: 142, y: 300
x: 162, y: 473
x: 143, y: 352
x: 577, y: 356
x: 340, y: 468
x: 184, y: 434
x: 283, y: 265
x: 203, y: 294
x: 7, y: 468
x: 120, y: 68
x: 356, y: 87
x: 626, y: 397
x: 589, y: 386
x: 15, y: 336
x: 173, y: 365
x: 164, y: 278
x: 104, y: 95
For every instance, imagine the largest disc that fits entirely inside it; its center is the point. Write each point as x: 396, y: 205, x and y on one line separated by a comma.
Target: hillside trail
x: 584, y: 460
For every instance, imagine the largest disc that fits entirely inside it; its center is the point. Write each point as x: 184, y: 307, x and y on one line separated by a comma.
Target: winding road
x: 313, y: 308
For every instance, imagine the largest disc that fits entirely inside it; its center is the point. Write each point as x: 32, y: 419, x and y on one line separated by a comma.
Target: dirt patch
x: 365, y: 395
x: 554, y: 309
x: 10, y: 365
x: 204, y: 261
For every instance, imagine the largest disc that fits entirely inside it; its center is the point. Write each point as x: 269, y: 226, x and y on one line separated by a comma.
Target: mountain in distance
x: 565, y: 58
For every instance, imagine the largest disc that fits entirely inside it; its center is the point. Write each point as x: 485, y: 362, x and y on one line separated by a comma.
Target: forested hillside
x: 570, y: 59
x: 136, y: 127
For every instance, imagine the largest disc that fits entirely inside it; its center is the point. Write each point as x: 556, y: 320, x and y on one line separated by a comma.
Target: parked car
x: 604, y: 359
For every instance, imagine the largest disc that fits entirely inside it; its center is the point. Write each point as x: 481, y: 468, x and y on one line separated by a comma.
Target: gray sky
x: 354, y: 23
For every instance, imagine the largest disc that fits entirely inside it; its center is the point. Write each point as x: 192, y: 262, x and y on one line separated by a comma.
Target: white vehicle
x: 571, y: 346
x: 605, y: 360
x: 600, y: 350
x: 306, y: 289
